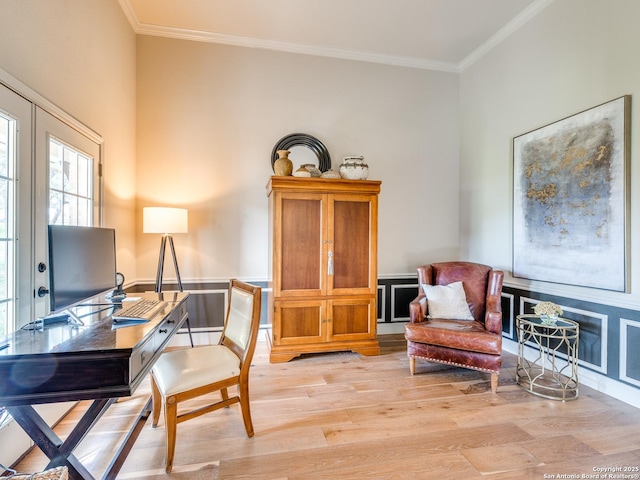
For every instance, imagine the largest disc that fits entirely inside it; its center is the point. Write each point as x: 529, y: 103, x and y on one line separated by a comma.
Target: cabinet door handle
x: 330, y: 263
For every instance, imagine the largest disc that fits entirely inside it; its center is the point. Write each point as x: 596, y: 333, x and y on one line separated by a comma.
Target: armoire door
x: 300, y: 322
x: 352, y: 240
x: 351, y: 319
x: 300, y: 249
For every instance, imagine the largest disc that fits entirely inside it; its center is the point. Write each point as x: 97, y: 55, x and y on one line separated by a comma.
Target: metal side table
x: 553, y: 373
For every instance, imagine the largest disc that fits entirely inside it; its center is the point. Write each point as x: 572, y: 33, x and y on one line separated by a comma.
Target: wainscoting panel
x: 608, y: 342
x: 629, y: 356
x: 207, y: 303
x: 508, y: 318
x: 399, y: 292
x: 207, y: 308
x: 382, y: 303
x: 401, y: 297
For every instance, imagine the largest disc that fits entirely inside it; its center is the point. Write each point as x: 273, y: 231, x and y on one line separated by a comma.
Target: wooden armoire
x: 324, y: 274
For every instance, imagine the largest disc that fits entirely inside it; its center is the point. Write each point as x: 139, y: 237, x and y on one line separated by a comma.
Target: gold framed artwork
x: 571, y: 199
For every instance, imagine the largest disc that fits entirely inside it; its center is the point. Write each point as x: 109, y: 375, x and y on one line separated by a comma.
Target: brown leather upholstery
x: 474, y: 344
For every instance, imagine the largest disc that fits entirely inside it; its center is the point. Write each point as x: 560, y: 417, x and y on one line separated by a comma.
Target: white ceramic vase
x: 354, y: 168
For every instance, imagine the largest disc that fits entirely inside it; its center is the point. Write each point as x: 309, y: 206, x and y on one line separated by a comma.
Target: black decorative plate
x: 285, y: 143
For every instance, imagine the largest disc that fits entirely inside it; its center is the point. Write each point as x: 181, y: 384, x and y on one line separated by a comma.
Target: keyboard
x: 140, y: 310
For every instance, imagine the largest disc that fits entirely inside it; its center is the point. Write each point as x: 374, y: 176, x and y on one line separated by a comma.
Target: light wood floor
x: 344, y: 416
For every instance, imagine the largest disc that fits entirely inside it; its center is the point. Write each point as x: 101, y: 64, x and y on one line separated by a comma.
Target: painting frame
x: 571, y: 191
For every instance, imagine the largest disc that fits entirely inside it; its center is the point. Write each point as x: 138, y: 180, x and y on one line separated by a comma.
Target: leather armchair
x: 475, y: 344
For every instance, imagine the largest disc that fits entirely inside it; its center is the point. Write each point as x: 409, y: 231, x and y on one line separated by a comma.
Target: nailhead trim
x: 456, y: 364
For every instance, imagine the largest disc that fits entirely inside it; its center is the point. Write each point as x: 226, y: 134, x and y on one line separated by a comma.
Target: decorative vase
x: 354, y: 168
x: 333, y: 174
x: 302, y: 172
x: 312, y: 169
x: 549, y: 319
x: 283, y: 166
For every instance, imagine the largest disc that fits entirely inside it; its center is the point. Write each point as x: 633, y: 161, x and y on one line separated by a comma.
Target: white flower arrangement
x: 547, y: 308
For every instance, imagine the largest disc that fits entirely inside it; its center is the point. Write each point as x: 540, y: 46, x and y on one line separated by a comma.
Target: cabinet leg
x: 282, y: 357
x: 368, y: 351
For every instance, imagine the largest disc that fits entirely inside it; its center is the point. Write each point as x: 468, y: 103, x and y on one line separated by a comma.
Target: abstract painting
x: 571, y: 191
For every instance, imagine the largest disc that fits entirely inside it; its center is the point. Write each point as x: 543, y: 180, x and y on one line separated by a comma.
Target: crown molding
x: 126, y: 7
x: 517, y: 22
x: 331, y: 52
x: 305, y: 49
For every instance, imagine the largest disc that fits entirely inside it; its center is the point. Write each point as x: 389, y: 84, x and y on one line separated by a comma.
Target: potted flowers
x: 548, y: 312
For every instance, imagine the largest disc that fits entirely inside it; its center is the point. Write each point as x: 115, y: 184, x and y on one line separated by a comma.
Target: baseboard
x: 391, y: 328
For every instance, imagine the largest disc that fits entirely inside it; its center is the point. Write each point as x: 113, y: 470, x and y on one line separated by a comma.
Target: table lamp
x: 166, y: 221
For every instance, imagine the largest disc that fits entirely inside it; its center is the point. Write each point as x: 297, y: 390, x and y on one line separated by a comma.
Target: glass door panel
x: 67, y: 186
x: 16, y: 305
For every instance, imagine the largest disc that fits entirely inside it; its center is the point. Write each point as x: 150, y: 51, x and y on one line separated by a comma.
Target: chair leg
x: 412, y: 365
x: 156, y: 400
x: 494, y: 382
x: 170, y: 420
x: 225, y: 394
x: 243, y: 393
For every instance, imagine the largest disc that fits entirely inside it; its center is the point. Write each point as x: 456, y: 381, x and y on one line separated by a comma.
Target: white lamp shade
x: 165, y: 220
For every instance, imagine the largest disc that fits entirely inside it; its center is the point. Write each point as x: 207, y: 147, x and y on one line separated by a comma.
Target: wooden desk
x: 95, y: 362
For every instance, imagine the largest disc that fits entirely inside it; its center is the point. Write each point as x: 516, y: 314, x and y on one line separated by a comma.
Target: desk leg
x: 189, y: 329
x: 59, y: 452
x: 116, y: 464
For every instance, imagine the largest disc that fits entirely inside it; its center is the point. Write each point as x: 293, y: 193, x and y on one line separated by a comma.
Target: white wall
x: 575, y: 54
x: 80, y: 56
x: 209, y: 116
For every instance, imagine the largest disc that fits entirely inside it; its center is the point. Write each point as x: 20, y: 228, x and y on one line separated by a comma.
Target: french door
x: 66, y: 186
x: 16, y: 226
x: 49, y: 173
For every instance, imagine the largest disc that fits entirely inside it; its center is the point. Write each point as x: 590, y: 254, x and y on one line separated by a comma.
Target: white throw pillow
x: 447, y: 301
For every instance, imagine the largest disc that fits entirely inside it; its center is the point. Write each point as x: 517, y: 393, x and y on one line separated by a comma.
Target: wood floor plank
x: 322, y: 418
x: 501, y: 458
x: 613, y: 439
x: 385, y: 427
x: 559, y: 448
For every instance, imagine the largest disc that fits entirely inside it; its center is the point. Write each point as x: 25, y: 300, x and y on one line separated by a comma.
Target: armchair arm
x: 418, y: 309
x: 493, y: 315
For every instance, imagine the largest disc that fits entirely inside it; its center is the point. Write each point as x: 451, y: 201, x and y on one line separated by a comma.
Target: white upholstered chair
x: 187, y: 373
